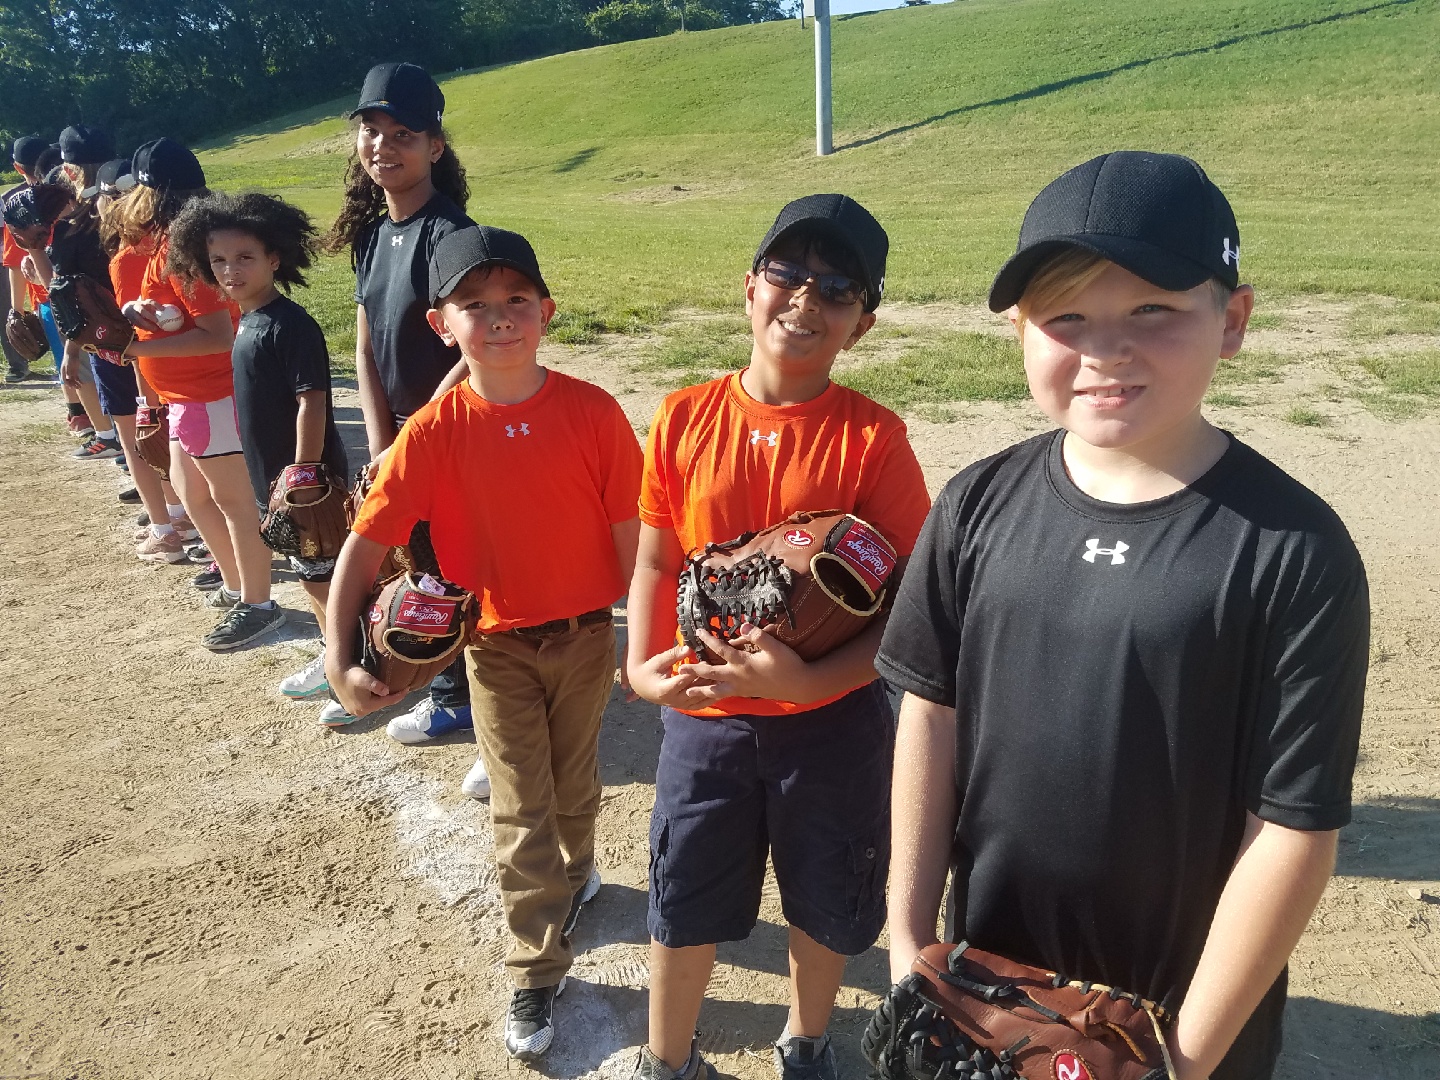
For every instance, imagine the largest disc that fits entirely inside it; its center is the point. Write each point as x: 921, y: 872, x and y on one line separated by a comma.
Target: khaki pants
x: 537, y: 704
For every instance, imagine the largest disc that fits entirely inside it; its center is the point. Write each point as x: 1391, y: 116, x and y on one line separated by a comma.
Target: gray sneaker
x: 530, y: 1021
x: 799, y: 1058
x: 241, y: 625
x: 650, y: 1067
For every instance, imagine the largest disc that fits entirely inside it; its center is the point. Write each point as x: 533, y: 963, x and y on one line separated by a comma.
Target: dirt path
x: 199, y: 882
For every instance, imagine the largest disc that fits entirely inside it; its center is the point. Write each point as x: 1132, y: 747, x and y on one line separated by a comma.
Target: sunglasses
x: 833, y: 288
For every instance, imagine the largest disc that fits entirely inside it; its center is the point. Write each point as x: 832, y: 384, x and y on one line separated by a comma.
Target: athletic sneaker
x: 308, y: 682
x: 129, y: 495
x: 530, y: 1020
x: 122, y: 464
x: 209, y: 578
x: 198, y: 553
x: 334, y: 715
x: 222, y: 599
x: 428, y: 721
x: 584, y: 896
x: 98, y: 449
x: 165, y: 548
x: 649, y: 1067
x: 476, y: 784
x: 799, y: 1058
x: 186, y: 528
x: 241, y: 625
x: 142, y: 519
x: 80, y: 426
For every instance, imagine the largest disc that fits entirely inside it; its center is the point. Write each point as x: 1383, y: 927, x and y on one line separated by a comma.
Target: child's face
x: 797, y: 327
x: 392, y: 155
x: 1124, y: 363
x: 241, y: 265
x: 497, y: 317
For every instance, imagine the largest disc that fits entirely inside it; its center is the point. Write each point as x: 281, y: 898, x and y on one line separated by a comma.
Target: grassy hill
x: 646, y: 172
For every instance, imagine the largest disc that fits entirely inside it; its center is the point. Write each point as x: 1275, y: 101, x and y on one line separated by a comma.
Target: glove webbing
x: 918, y: 1035
x: 753, y: 590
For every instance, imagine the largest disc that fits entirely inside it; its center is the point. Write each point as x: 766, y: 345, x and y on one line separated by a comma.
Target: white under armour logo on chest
x: 511, y: 430
x: 397, y: 241
x: 1093, y: 550
x: 769, y: 440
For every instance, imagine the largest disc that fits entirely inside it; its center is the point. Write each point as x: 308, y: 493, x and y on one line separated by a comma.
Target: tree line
x: 193, y: 68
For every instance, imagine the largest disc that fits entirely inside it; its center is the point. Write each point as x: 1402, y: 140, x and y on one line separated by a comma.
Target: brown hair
x: 1069, y: 270
x: 364, y: 200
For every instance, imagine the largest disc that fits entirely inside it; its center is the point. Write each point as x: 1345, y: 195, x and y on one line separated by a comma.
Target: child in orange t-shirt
x: 189, y: 368
x: 764, y: 751
x: 530, y: 480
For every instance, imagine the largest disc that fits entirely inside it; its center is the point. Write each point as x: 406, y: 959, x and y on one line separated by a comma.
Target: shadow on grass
x: 1094, y: 76
x: 575, y: 161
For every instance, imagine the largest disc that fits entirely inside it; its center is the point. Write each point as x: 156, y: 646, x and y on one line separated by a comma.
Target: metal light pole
x: 823, y: 143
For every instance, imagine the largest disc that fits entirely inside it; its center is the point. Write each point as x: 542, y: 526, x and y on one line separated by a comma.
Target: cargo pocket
x: 869, y: 867
x: 659, y: 845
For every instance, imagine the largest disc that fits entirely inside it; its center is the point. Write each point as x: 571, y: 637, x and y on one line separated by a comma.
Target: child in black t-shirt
x: 246, y: 245
x: 1133, y: 650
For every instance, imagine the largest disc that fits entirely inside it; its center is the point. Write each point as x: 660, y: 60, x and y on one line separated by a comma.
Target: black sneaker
x: 209, y: 578
x: 198, y: 553
x: 649, y: 1067
x: 529, y: 1022
x: 131, y: 495
x: 799, y: 1058
x: 241, y: 625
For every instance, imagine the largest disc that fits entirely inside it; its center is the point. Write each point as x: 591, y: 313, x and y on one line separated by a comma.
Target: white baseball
x: 169, y: 317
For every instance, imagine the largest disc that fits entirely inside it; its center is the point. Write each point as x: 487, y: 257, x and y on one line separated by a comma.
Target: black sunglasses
x: 833, y: 288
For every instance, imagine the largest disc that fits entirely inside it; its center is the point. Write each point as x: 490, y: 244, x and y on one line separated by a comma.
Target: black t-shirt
x: 75, y: 248
x: 392, y: 284
x: 279, y: 353
x: 1128, y: 681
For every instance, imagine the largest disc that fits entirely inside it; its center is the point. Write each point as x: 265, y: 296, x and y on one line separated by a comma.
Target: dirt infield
x: 200, y: 882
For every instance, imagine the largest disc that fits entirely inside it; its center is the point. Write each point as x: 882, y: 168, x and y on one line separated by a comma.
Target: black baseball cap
x: 1157, y: 215
x: 112, y: 178
x: 844, y: 220
x: 27, y: 150
x: 48, y: 158
x: 165, y: 163
x: 404, y: 91
x: 81, y: 144
x: 463, y: 250
x: 21, y: 212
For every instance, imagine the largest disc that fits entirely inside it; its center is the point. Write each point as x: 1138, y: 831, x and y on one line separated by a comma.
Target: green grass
x: 645, y: 173
x: 1224, y: 399
x: 1372, y: 320
x: 1407, y: 373
x: 952, y: 366
x: 1266, y: 320
x: 1250, y: 366
x: 1304, y: 416
x: 695, y: 351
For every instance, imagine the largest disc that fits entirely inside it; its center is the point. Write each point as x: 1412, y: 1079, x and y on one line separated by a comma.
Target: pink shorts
x: 205, y: 429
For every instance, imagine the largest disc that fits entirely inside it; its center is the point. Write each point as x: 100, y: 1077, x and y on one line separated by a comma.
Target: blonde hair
x: 1069, y: 270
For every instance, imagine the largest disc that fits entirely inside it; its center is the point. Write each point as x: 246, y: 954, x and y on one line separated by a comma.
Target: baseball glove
x: 813, y: 581
x: 963, y: 1013
x: 309, y: 529
x: 27, y: 334
x: 416, y: 557
x: 152, y: 437
x: 413, y: 629
x: 86, y: 313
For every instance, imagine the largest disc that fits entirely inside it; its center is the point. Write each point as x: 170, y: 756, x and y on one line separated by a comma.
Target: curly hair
x: 364, y: 200
x: 283, y: 230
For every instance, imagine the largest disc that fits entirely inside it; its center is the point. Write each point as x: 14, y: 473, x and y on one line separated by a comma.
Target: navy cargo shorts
x: 811, y: 789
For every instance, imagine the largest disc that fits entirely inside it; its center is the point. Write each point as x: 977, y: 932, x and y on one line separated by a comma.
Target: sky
x: 848, y: 7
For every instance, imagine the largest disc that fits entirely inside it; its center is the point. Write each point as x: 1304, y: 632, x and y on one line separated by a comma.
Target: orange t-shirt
x: 185, y: 378
x: 127, y: 271
x: 13, y: 253
x: 718, y: 463
x: 520, y: 498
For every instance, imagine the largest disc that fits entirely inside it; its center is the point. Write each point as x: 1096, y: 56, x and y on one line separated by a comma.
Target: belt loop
x: 574, y: 623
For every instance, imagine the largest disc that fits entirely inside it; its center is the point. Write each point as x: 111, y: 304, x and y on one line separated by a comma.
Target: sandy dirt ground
x: 200, y: 882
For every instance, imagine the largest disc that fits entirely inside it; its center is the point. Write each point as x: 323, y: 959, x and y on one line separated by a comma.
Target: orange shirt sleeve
x: 13, y: 255
x: 401, y: 494
x: 893, y: 497
x: 655, y: 509
x: 620, y: 467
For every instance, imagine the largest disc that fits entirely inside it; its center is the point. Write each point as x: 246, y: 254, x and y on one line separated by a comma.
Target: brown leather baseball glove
x: 413, y: 629
x: 814, y: 581
x: 965, y: 1013
x: 306, y: 516
x: 27, y: 334
x: 86, y: 313
x: 417, y: 557
x: 152, y: 437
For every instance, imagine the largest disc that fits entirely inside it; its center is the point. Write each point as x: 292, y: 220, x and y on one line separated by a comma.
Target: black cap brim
x: 450, y: 284
x: 414, y: 122
x: 1162, y: 268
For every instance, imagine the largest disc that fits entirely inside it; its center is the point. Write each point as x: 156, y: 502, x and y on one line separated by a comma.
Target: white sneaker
x: 334, y: 715
x: 477, y: 781
x: 308, y: 682
x: 584, y: 896
x: 428, y: 721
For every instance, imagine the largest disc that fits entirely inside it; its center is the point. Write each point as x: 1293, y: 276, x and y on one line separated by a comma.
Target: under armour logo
x: 1116, y: 553
x: 397, y: 241
x: 510, y: 430
x: 1229, y: 254
x: 756, y: 437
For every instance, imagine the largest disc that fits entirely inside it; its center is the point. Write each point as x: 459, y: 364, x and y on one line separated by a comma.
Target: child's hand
x: 141, y: 313
x: 656, y: 681
x: 375, y: 462
x: 767, y: 669
x: 70, y: 371
x: 360, y: 692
